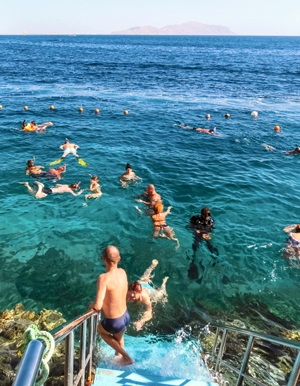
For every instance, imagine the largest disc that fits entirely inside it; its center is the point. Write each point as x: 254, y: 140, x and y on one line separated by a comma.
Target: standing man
x: 111, y: 298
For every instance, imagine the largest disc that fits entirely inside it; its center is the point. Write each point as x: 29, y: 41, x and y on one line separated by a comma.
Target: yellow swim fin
x: 56, y: 162
x: 82, y: 162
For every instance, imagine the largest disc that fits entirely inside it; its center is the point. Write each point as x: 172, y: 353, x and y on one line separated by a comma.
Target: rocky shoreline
x: 13, y: 323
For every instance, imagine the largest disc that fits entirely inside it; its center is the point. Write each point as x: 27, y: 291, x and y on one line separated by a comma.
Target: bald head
x: 150, y: 189
x: 111, y: 255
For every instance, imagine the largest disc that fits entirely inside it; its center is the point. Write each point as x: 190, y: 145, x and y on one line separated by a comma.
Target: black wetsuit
x: 205, y: 227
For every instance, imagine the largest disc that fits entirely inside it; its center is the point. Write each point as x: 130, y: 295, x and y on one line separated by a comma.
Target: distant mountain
x: 189, y: 28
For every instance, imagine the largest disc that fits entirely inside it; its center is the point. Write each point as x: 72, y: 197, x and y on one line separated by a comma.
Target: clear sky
x: 244, y: 17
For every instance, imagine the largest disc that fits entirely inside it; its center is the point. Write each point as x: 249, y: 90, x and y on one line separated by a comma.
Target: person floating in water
x: 128, y: 176
x: 95, y: 188
x: 36, y: 172
x: 32, y: 126
x: 289, y: 152
x: 152, y: 198
x: 293, y: 242
x: 160, y: 225
x: 68, y: 148
x: 207, y: 131
x: 44, y: 192
x: 112, y: 288
x: 141, y: 292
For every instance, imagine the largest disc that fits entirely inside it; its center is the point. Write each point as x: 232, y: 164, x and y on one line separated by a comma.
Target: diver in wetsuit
x: 203, y: 225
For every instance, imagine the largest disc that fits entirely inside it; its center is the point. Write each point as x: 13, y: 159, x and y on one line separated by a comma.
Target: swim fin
x: 82, y: 162
x: 56, y: 162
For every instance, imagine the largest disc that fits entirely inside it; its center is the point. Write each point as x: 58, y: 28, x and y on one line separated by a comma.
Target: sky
x: 244, y: 17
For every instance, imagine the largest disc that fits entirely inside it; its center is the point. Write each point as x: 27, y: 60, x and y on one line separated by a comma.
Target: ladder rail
x: 32, y: 357
x: 293, y: 378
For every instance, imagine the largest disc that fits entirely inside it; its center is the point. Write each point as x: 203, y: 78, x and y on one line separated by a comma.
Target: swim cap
x: 60, y: 169
x: 159, y: 208
x: 128, y: 166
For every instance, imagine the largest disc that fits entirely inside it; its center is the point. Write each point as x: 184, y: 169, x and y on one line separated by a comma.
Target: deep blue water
x: 50, y: 248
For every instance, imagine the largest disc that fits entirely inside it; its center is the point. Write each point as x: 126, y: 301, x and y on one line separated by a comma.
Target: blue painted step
x: 108, y: 377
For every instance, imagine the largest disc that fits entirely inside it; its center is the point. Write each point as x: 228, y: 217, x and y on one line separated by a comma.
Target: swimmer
x: 36, y: 172
x: 289, y: 152
x: 160, y: 225
x: 95, y: 188
x: 55, y: 174
x: 152, y: 198
x: 141, y: 292
x: 207, y: 131
x: 44, y: 192
x: 68, y: 147
x: 32, y: 126
x: 129, y: 176
x: 293, y: 242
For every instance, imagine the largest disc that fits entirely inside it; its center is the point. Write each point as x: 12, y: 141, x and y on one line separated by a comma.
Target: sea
x: 51, y: 248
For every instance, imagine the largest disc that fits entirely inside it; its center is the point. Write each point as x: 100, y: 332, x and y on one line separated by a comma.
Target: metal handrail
x: 31, y: 360
x: 252, y: 336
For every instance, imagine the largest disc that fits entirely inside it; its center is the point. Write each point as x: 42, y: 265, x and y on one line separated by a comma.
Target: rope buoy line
x: 33, y: 333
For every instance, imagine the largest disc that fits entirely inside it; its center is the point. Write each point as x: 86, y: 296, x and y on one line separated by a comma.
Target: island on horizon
x: 189, y: 28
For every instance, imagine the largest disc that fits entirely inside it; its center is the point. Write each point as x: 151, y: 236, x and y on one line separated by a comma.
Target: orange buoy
x: 97, y: 111
x: 227, y: 115
x: 25, y: 108
x: 126, y: 112
x: 277, y: 128
x: 207, y: 116
x: 51, y: 107
x: 0, y: 107
x: 81, y: 109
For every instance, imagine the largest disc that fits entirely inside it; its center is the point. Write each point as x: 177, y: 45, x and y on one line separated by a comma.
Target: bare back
x: 114, y: 302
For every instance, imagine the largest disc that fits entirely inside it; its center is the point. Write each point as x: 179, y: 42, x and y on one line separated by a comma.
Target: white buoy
x: 254, y: 114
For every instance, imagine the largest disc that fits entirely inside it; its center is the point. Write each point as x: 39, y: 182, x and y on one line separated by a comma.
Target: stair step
x: 109, y: 377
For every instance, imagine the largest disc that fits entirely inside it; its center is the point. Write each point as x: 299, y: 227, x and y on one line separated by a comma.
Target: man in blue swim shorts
x: 111, y: 299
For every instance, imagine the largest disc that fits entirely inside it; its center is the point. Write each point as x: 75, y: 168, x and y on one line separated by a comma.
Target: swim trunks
x: 148, y: 287
x: 69, y: 150
x: 47, y: 191
x: 113, y: 326
x: 41, y: 175
x: 293, y: 242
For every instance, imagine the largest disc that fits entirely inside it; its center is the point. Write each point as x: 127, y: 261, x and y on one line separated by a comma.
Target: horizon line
x: 113, y: 34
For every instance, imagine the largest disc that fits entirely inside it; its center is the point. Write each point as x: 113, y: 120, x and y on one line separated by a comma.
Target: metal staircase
x: 31, y: 360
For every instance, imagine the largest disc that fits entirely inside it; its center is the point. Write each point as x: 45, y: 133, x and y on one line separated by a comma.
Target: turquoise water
x: 173, y: 356
x: 50, y: 248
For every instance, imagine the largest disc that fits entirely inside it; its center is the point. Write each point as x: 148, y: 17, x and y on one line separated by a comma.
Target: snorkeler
x: 128, y: 176
x: 68, y: 147
x: 289, y: 152
x: 141, y: 292
x: 207, y: 131
x: 95, y: 188
x: 293, y: 242
x: 32, y: 126
x: 36, y: 172
x: 44, y: 192
x: 152, y: 198
x: 159, y: 222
